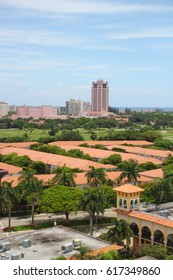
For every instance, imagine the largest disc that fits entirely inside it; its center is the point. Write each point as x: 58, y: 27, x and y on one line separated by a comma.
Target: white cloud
x: 140, y: 68
x: 84, y: 6
x: 38, y: 37
x: 161, y: 32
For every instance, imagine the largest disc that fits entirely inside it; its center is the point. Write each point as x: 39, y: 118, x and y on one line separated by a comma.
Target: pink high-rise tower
x: 99, y: 96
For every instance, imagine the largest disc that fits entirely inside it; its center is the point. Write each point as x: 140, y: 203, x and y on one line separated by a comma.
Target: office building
x: 100, y: 96
x: 74, y: 107
x: 4, y: 109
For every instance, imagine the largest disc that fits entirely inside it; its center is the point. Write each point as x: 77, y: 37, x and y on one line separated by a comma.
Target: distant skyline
x: 52, y: 51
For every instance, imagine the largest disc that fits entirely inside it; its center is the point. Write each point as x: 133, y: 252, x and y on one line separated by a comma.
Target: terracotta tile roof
x: 96, y: 153
x: 81, y: 179
x: 17, y: 145
x: 104, y: 250
x: 144, y: 151
x: 15, y: 179
x: 146, y: 217
x: 145, y: 179
x: 100, y: 154
x: 104, y: 143
x: 154, y: 173
x: 10, y: 168
x: 128, y: 188
x: 56, y: 160
x: 113, y: 175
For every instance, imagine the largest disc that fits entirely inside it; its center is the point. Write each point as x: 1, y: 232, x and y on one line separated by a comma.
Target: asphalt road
x: 16, y: 221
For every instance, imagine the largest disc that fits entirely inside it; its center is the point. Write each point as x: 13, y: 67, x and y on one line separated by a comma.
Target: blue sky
x: 52, y: 50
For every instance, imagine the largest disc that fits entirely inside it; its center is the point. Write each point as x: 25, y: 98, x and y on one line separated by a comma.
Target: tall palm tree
x: 130, y: 171
x: 92, y: 202
x: 65, y: 176
x: 162, y: 190
x: 10, y: 196
x: 119, y: 232
x: 96, y: 177
x: 31, y: 188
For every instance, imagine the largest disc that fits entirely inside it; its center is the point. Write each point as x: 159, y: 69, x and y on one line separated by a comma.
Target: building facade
x: 100, y: 96
x: 4, y: 109
x: 49, y: 112
x: 147, y: 228
x: 74, y: 107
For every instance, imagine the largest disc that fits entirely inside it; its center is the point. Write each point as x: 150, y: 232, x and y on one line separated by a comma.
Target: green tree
x: 157, y: 251
x: 39, y: 167
x: 119, y: 232
x: 65, y: 176
x: 130, y: 171
x: 112, y: 255
x: 162, y: 190
x: 92, y: 202
x: 96, y: 177
x: 60, y: 199
x: 10, y: 196
x: 109, y: 197
x: 113, y: 159
x: 31, y: 188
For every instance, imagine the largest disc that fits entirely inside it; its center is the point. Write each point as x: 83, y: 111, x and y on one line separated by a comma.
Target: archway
x: 136, y: 203
x: 158, y: 237
x: 120, y: 203
x: 146, y: 233
x: 131, y: 204
x: 134, y: 227
x: 170, y: 240
x: 125, y: 203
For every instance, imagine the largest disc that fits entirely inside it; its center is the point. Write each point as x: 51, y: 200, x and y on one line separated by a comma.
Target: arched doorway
x: 170, y: 240
x: 146, y: 233
x: 134, y: 227
x: 158, y: 237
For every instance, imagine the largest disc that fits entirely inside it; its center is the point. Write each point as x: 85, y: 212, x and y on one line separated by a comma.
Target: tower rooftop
x: 128, y: 188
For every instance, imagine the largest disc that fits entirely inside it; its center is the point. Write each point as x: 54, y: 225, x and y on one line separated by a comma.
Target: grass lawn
x: 38, y: 133
x: 86, y: 134
x: 33, y: 136
x: 167, y: 134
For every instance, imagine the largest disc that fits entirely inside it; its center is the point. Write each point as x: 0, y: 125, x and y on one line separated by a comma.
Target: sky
x: 52, y: 50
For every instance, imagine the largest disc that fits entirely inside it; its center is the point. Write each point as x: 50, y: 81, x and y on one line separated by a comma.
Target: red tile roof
x: 146, y: 217
x: 17, y: 145
x: 80, y: 178
x: 144, y: 151
x: 56, y: 160
x: 154, y: 173
x: 104, y: 250
x: 100, y: 154
x: 10, y: 168
x: 128, y: 188
x: 104, y: 143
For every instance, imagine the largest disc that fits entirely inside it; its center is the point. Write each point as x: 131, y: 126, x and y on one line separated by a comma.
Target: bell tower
x: 128, y: 197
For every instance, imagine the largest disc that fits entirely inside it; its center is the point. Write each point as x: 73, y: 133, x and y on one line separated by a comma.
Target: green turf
x: 32, y: 136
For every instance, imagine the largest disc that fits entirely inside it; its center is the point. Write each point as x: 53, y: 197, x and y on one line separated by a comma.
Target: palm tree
x: 119, y: 232
x: 92, y: 202
x: 130, y: 171
x: 162, y: 190
x: 96, y: 177
x: 9, y: 196
x: 64, y: 176
x: 31, y: 188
